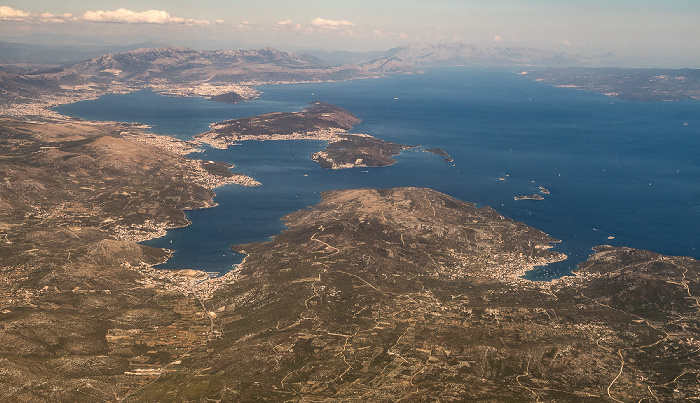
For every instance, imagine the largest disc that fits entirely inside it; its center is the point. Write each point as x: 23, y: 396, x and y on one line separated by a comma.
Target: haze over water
x: 620, y: 173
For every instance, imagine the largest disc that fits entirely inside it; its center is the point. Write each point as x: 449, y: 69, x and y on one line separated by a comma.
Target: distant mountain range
x: 420, y: 55
x: 170, y: 66
x: 341, y: 57
x: 179, y: 66
x: 629, y: 84
x: 26, y: 53
x: 462, y: 54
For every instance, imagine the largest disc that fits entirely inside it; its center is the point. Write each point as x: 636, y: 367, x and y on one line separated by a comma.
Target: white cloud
x: 192, y: 21
x: 249, y: 26
x: 331, y: 24
x: 290, y: 25
x: 129, y: 16
x: 123, y: 15
x: 11, y: 14
x: 49, y: 17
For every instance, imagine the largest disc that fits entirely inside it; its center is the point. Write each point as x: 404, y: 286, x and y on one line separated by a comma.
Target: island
x: 440, y: 152
x: 320, y: 121
x: 625, y: 83
x: 229, y: 98
x: 534, y: 196
x: 358, y: 151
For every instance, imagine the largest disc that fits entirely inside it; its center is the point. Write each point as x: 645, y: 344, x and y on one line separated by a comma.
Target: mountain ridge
x: 433, y: 55
x: 171, y: 70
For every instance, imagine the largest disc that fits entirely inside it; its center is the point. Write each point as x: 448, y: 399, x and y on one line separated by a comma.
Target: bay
x: 619, y: 172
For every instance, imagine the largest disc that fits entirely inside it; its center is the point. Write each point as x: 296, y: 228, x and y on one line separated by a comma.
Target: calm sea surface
x: 626, y: 170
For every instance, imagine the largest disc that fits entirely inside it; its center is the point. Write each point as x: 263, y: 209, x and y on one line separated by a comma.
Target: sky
x: 664, y: 33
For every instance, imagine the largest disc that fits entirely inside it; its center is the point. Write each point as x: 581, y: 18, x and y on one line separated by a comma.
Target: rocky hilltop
x: 17, y: 84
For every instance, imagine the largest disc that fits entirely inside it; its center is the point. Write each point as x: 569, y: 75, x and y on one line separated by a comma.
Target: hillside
x: 172, y: 71
x: 180, y: 65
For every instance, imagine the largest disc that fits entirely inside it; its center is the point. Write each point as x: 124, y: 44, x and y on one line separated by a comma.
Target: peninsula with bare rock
x: 410, y: 294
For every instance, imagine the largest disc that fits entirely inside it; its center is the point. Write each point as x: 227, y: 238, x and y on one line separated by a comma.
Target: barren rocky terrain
x: 408, y: 294
x: 82, y: 316
x: 371, y: 295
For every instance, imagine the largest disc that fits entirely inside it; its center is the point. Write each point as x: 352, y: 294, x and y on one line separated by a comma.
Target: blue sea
x: 620, y: 173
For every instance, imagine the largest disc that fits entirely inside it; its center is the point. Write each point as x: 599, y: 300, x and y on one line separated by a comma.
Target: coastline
x: 41, y: 104
x: 321, y: 138
x: 37, y: 110
x: 149, y: 230
x: 329, y: 135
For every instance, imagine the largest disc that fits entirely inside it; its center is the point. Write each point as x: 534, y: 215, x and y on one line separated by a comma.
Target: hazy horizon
x: 640, y: 33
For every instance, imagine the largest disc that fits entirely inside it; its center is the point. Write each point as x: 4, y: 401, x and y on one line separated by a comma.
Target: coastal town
x: 40, y: 106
